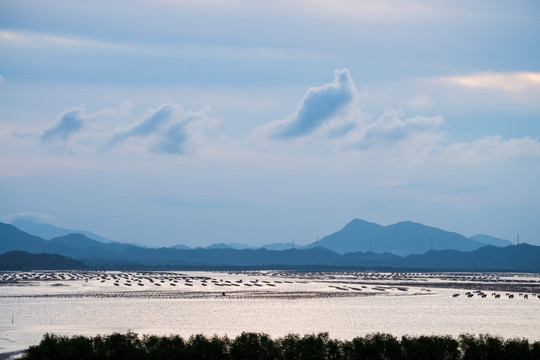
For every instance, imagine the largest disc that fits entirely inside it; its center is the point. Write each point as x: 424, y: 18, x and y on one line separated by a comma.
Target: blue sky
x: 195, y: 122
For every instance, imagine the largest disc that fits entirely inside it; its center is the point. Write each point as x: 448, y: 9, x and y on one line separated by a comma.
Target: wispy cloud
x: 491, y: 148
x: 419, y: 139
x: 150, y: 124
x: 368, y: 11
x: 167, y: 129
x: 390, y: 128
x: 176, y: 49
x: 518, y: 81
x: 25, y: 38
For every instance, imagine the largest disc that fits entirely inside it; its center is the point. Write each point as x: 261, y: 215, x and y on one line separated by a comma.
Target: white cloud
x: 491, y: 149
x: 417, y: 140
x: 390, y: 129
x: 332, y: 115
x: 2, y: 80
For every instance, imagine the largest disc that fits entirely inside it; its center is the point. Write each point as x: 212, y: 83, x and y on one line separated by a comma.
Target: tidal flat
x: 343, y: 304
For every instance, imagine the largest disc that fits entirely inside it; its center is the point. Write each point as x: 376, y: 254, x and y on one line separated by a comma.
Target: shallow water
x: 30, y: 311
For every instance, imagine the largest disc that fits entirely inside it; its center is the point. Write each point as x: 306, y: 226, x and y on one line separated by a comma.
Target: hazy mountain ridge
x: 522, y: 257
x: 491, y: 240
x: 403, y: 238
x: 48, y: 231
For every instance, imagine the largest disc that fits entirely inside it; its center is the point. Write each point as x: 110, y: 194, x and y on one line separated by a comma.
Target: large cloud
x: 319, y: 106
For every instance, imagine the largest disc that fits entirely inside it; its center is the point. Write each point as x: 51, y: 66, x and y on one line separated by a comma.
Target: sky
x: 197, y: 122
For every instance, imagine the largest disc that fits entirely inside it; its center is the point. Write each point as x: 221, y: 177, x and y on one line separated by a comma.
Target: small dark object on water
x: 222, y: 294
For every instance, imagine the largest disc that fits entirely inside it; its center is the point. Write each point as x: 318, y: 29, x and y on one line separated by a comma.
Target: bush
x: 430, y: 348
x: 164, y: 347
x: 254, y: 346
x: 200, y: 347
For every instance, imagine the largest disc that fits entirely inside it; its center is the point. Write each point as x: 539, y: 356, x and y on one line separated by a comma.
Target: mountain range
x: 403, y: 238
x: 48, y: 231
x: 97, y: 254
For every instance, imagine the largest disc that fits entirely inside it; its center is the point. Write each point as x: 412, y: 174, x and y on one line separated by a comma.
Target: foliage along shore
x: 257, y: 346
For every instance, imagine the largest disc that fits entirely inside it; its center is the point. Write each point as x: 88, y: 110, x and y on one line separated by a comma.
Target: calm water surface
x: 24, y: 319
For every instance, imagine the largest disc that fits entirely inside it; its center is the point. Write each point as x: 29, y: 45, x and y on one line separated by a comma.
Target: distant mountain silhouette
x: 21, y: 260
x: 491, y: 240
x: 48, y: 231
x: 228, y: 246
x: 522, y: 257
x: 78, y: 241
x: 241, y: 246
x: 180, y: 247
x: 278, y: 246
x: 15, y: 239
x: 219, y: 246
x: 74, y: 245
x: 403, y: 238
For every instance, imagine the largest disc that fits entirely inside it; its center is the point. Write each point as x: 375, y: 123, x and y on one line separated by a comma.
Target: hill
x: 403, y: 238
x: 524, y: 257
x: 12, y: 238
x: 78, y: 241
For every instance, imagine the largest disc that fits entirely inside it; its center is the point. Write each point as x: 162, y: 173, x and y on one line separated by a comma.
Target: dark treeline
x: 23, y: 261
x: 255, y: 346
